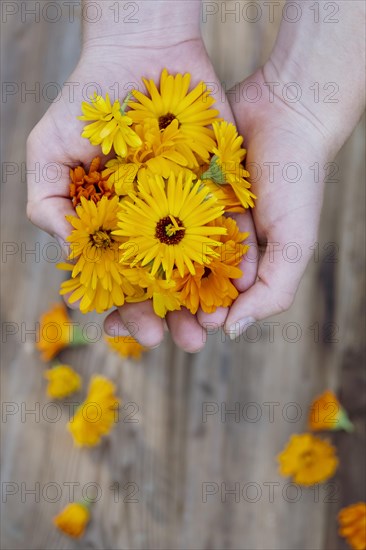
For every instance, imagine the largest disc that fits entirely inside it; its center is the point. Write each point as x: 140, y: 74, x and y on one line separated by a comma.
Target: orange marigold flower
x: 211, y: 286
x: 56, y: 331
x: 326, y: 413
x: 73, y: 519
x: 126, y: 346
x: 96, y: 415
x: 352, y: 525
x: 308, y: 459
x: 92, y: 185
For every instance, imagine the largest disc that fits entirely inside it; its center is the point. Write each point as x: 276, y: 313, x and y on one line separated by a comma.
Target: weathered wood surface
x: 170, y: 453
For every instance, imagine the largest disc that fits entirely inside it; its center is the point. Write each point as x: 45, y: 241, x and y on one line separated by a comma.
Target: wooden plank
x: 187, y: 451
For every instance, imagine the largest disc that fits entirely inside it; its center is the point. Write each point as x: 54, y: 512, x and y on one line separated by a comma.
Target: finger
x: 49, y: 214
x: 48, y: 175
x: 274, y: 291
x: 215, y: 319
x: 248, y: 266
x: 114, y: 326
x: 142, y: 323
x: 186, y: 331
x: 249, y: 263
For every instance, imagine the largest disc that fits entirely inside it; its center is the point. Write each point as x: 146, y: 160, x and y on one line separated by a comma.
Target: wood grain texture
x: 174, y: 454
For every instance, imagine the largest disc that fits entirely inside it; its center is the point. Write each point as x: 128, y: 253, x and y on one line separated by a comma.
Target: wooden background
x: 169, y: 454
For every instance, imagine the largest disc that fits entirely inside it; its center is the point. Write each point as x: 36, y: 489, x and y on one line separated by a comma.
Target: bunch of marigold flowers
x: 152, y: 223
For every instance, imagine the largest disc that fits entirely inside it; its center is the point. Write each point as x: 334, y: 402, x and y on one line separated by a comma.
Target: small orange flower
x: 308, y: 459
x: 56, y: 331
x: 326, y: 413
x: 211, y: 286
x: 73, y: 519
x: 352, y: 525
x: 92, y: 185
x: 126, y: 346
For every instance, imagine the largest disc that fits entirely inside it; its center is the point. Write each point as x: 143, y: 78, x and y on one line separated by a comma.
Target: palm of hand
x: 56, y: 142
x: 285, y: 143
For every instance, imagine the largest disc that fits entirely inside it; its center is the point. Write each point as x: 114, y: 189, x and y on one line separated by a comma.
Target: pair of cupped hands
x: 282, y: 226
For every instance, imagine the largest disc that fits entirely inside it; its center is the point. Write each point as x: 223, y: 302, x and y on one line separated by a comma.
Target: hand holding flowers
x: 61, y: 143
x: 158, y: 231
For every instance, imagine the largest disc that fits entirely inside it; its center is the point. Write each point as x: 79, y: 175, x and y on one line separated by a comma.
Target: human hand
x: 306, y: 109
x: 56, y: 142
x: 285, y: 141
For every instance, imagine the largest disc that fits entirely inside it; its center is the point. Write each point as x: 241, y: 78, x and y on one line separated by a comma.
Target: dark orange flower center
x: 170, y: 230
x: 206, y: 272
x: 165, y: 120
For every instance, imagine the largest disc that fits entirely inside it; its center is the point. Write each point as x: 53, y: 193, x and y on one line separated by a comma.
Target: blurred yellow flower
x: 56, y: 331
x: 96, y: 415
x: 96, y: 275
x: 308, y: 459
x: 126, y: 346
x: 111, y: 126
x: 352, y: 525
x: 173, y: 102
x: 62, y: 381
x: 326, y: 413
x: 226, y: 164
x: 73, y: 519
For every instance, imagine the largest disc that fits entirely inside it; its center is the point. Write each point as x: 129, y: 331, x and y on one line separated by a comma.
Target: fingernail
x: 236, y: 329
x: 195, y: 351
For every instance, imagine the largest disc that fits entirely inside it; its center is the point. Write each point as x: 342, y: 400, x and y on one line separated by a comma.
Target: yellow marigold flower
x: 352, y: 525
x: 96, y: 276
x: 56, y: 332
x: 111, y: 126
x: 211, y: 286
x: 73, y: 519
x: 156, y: 155
x: 162, y: 151
x: 62, y: 381
x: 126, y: 346
x: 172, y: 101
x: 96, y: 415
x: 225, y: 196
x: 167, y: 225
x: 226, y: 164
x: 163, y: 293
x: 326, y: 413
x: 121, y: 175
x: 308, y: 459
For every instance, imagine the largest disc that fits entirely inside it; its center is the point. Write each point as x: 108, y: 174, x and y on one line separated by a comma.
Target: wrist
x: 141, y: 23
x: 323, y: 73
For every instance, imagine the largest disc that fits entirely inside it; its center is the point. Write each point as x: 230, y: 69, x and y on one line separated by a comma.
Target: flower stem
x: 78, y: 338
x: 125, y: 103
